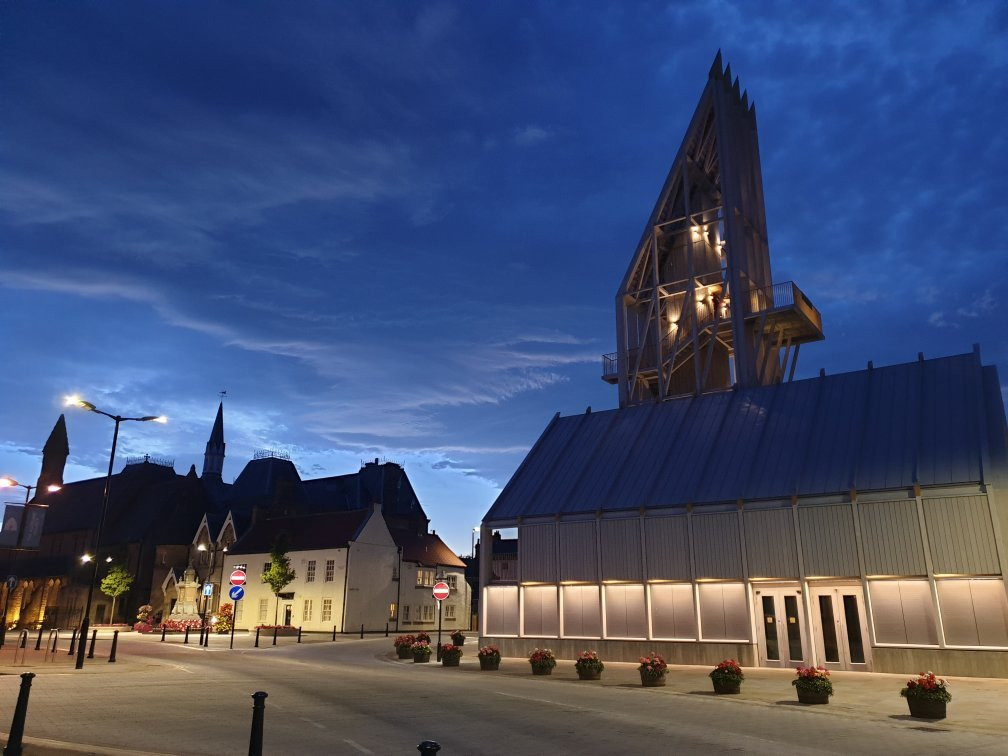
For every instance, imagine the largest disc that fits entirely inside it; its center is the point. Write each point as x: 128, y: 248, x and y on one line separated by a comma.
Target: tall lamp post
x: 7, y: 482
x: 75, y: 401
x: 209, y: 578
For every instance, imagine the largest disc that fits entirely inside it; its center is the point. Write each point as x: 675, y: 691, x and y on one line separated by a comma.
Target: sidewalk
x: 978, y: 704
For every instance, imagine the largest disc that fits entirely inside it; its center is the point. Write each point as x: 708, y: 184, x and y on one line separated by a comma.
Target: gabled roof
x: 329, y: 530
x: 930, y: 422
x: 425, y: 548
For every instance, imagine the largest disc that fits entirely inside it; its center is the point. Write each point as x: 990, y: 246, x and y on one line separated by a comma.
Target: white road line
x: 356, y: 746
x: 316, y: 724
x: 179, y: 666
x: 537, y: 700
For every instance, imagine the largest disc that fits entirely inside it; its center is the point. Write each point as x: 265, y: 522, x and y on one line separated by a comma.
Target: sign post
x: 441, y: 592
x: 236, y: 593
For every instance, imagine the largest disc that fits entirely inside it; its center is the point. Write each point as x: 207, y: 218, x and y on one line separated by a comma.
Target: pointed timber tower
x: 698, y: 309
x: 213, y: 457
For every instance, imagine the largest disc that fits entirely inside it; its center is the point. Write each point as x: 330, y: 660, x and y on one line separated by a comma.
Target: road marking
x: 316, y: 724
x: 357, y: 746
x: 537, y: 700
x: 179, y: 666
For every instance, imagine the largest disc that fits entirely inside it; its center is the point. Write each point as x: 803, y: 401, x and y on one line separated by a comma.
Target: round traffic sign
x: 238, y: 577
x: 441, y: 591
x: 236, y: 593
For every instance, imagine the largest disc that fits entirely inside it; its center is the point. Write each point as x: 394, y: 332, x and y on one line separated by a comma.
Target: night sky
x: 396, y: 230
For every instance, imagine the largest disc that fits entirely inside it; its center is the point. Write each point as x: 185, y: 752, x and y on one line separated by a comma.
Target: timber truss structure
x: 698, y: 310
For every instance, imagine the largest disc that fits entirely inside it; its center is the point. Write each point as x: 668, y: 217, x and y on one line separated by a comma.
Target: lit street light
x: 7, y: 482
x: 76, y: 401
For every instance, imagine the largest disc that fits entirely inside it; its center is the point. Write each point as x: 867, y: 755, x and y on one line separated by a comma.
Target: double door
x: 840, y: 628
x: 781, y: 637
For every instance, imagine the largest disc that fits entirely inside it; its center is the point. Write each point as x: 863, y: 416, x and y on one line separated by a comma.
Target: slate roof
x: 329, y: 530
x: 931, y: 422
x: 425, y: 548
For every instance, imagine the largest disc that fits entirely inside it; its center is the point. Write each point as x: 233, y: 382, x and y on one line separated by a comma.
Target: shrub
x: 927, y: 687
x: 813, y: 680
x: 588, y: 661
x: 542, y: 658
x: 225, y: 619
x: 653, y: 665
x: 727, y: 671
x: 142, y: 627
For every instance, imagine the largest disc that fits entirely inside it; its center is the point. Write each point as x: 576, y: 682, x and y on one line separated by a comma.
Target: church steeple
x: 213, y: 458
x: 54, y: 457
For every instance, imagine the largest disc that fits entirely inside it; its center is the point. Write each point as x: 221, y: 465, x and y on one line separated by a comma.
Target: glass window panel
x: 626, y: 614
x: 723, y: 612
x: 501, y: 610
x: 887, y: 614
x: 852, y: 619
x: 918, y: 612
x: 672, y: 613
x: 958, y: 620
x: 991, y: 605
x: 770, y: 628
x: 793, y: 628
x: 540, y: 611
x: 828, y: 623
x: 581, y: 611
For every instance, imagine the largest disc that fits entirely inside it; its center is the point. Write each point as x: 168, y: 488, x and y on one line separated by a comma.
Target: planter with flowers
x: 542, y: 661
x: 813, y: 685
x: 404, y: 646
x: 489, y: 658
x: 450, y: 655
x: 421, y: 652
x: 727, y: 677
x: 927, y: 696
x: 589, y: 666
x: 653, y: 670
x: 458, y: 638
x: 425, y: 637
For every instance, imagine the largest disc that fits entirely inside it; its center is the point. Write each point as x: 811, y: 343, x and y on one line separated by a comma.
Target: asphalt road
x: 351, y: 697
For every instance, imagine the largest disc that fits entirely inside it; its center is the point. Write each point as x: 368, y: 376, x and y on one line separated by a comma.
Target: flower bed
x: 180, y: 626
x: 589, y: 666
x: 489, y: 658
x: 542, y: 661
x: 142, y: 627
x: 281, y: 630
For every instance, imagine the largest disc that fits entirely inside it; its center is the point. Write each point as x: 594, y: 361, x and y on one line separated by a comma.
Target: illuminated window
x: 263, y: 608
x: 326, y: 610
x: 391, y: 611
x: 310, y: 574
x: 307, y: 611
x: 330, y: 570
x: 425, y: 577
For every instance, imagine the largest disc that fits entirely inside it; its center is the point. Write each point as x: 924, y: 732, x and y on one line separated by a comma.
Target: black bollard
x: 163, y: 631
x: 386, y: 629
x: 334, y: 632
x: 20, y: 711
x: 206, y: 638
x: 257, y: 637
x: 274, y: 634
x: 258, y: 710
x: 186, y: 634
x: 55, y: 641
x: 24, y: 639
x: 299, y: 635
x: 429, y: 748
x: 94, y: 637
x: 362, y: 631
x: 73, y: 642
x: 38, y: 641
x: 115, y: 640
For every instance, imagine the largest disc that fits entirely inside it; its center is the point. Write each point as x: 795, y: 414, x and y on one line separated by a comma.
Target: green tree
x: 279, y: 575
x: 115, y: 584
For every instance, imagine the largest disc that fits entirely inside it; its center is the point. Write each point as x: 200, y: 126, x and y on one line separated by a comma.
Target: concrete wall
x: 942, y: 661
x: 629, y: 651
x: 371, y: 583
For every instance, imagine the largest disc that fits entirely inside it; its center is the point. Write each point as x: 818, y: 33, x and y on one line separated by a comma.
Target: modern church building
x: 856, y: 521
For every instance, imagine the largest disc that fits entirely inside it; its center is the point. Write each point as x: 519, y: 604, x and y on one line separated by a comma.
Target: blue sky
x: 396, y: 229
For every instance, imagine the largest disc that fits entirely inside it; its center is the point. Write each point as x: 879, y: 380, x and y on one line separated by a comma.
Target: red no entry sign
x: 441, y: 591
x: 238, y: 577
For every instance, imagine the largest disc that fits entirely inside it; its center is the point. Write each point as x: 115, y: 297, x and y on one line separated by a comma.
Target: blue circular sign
x: 236, y: 592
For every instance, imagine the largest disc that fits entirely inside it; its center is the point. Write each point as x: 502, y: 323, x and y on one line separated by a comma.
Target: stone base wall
x: 629, y: 651
x: 944, y: 662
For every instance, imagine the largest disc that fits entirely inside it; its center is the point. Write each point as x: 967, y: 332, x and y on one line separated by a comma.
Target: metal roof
x: 930, y: 422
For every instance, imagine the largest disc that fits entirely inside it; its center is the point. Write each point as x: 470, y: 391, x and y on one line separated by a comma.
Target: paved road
x: 351, y: 697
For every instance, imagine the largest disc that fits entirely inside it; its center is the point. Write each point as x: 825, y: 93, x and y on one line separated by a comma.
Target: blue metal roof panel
x: 836, y: 435
x: 891, y: 430
x: 949, y: 422
x: 736, y: 446
x: 576, y: 461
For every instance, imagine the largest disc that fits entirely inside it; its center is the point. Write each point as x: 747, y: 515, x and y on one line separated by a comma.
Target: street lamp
x: 8, y: 482
x: 76, y: 401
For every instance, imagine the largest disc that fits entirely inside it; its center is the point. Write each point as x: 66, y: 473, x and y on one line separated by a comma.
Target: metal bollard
x: 73, y: 642
x: 299, y: 635
x: 54, y: 634
x: 257, y: 636
x: 20, y: 711
x: 334, y: 632
x: 94, y: 637
x: 258, y: 711
x: 206, y: 639
x: 24, y: 639
x: 186, y: 634
x: 386, y: 629
x: 115, y: 641
x: 163, y: 631
x: 274, y: 634
x: 429, y: 748
x: 362, y: 631
x: 38, y: 641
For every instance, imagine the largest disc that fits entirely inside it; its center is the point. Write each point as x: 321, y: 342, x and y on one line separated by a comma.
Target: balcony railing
x: 783, y: 295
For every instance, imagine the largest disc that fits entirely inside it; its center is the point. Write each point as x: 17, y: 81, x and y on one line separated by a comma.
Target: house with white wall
x: 426, y: 559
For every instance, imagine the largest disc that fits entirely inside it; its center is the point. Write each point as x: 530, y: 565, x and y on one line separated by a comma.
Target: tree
x: 279, y: 575
x: 115, y: 584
